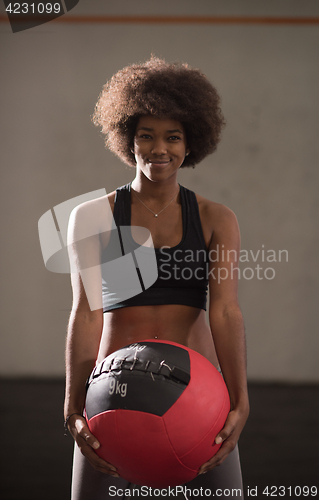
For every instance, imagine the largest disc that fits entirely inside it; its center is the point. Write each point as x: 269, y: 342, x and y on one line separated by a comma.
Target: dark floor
x: 279, y: 446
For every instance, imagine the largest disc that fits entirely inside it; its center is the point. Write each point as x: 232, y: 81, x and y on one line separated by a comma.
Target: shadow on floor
x: 279, y: 445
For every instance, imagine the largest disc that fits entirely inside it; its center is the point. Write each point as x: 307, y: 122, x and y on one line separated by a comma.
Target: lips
x: 158, y: 162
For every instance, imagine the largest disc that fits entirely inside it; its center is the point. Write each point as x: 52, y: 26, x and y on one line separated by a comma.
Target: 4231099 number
x: 34, y: 8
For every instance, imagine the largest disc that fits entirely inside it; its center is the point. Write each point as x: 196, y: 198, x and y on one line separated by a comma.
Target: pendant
x: 155, y: 215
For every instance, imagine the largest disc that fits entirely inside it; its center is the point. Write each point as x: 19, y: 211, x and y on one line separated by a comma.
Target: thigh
x: 226, y: 478
x: 90, y: 484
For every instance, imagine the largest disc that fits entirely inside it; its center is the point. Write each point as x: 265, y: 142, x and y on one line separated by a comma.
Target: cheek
x: 138, y: 148
x: 142, y: 152
x: 134, y: 147
x: 182, y: 150
x: 139, y: 153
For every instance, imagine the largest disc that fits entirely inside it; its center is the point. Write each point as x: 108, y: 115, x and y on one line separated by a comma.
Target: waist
x: 177, y: 323
x: 154, y: 319
x: 191, y: 297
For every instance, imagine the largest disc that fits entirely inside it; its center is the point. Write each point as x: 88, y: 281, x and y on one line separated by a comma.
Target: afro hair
x: 164, y: 90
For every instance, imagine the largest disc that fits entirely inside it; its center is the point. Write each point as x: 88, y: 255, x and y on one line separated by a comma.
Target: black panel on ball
x: 146, y: 376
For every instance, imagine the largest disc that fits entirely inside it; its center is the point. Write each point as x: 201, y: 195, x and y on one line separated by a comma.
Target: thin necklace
x: 155, y: 214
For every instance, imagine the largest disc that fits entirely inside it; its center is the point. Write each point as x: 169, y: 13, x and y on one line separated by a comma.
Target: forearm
x: 229, y: 337
x: 82, y: 344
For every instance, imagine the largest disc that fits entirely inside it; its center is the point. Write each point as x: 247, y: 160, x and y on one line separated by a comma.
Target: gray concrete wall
x: 266, y: 168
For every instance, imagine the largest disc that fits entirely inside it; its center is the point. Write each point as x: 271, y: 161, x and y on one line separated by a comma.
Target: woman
x: 158, y: 118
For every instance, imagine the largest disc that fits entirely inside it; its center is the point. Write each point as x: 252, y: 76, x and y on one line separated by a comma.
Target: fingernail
x: 218, y: 440
x: 96, y: 445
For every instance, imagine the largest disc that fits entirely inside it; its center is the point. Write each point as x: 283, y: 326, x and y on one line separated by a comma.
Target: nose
x: 159, y: 147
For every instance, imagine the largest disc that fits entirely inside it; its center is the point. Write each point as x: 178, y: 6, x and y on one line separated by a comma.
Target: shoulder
x: 216, y: 218
x: 94, y: 206
x: 213, y: 209
x: 92, y: 217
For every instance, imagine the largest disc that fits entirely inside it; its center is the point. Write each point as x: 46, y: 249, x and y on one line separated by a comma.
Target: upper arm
x: 84, y: 246
x: 223, y: 259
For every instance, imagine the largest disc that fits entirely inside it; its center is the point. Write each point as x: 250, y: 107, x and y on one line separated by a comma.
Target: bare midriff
x: 176, y: 323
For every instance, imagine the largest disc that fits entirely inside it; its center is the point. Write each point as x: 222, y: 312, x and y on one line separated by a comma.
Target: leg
x: 226, y: 478
x: 89, y: 484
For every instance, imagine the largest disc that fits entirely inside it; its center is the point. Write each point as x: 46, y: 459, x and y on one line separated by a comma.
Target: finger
x: 226, y: 431
x: 84, y: 433
x: 97, y: 462
x: 87, y: 444
x: 219, y: 439
x: 217, y: 459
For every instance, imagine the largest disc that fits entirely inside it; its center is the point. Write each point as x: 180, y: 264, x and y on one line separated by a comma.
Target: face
x: 159, y: 147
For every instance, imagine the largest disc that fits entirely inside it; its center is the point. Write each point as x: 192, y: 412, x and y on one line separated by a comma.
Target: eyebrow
x: 169, y: 131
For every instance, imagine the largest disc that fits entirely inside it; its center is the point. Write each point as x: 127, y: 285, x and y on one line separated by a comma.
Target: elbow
x: 86, y: 316
x: 226, y: 311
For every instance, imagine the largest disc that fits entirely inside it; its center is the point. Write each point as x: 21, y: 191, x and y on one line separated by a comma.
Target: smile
x: 158, y: 162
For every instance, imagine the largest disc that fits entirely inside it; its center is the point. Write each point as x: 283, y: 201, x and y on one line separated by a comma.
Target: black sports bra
x: 182, y: 269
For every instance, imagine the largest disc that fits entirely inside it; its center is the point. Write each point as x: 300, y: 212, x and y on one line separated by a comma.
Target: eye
x: 145, y: 136
x: 174, y: 138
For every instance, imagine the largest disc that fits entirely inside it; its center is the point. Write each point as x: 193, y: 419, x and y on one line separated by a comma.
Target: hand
x: 88, y: 443
x: 229, y: 436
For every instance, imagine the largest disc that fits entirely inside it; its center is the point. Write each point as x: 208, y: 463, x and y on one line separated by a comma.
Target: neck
x: 161, y: 190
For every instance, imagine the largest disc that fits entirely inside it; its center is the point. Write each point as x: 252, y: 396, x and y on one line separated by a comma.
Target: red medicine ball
x: 156, y: 408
